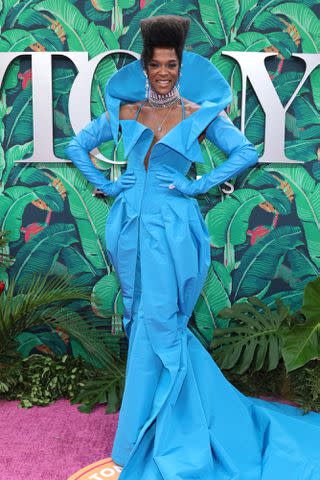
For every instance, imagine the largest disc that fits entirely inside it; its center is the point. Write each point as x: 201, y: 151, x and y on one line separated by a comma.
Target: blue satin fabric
x: 180, y: 418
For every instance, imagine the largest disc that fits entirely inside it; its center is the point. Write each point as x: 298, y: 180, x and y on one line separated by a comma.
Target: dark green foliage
x: 40, y: 379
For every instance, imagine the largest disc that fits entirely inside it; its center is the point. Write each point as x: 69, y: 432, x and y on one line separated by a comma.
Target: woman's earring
x: 147, y: 84
x: 178, y: 82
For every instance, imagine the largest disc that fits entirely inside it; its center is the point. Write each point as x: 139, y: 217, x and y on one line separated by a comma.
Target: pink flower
x: 26, y: 78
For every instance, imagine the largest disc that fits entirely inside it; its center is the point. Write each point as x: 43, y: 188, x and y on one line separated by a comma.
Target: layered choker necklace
x: 157, y: 100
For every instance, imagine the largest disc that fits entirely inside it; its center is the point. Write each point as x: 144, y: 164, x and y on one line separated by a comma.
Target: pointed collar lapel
x: 200, y: 82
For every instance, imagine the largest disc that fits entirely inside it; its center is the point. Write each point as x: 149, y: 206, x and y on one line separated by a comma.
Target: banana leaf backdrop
x: 265, y: 236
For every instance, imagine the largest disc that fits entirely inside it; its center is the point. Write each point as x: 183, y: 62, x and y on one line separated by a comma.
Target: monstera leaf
x: 307, y: 196
x: 259, y: 264
x: 302, y: 342
x: 214, y: 297
x: 255, y: 339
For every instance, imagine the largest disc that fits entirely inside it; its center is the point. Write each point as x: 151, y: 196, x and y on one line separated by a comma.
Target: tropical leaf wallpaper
x: 265, y: 235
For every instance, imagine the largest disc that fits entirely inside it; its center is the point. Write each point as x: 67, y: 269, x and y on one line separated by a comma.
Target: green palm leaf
x: 301, y: 265
x: 307, y: 24
x: 244, y: 42
x: 307, y: 196
x: 90, y: 213
x: 16, y: 40
x: 78, y: 265
x: 12, y: 207
x: 214, y: 297
x: 219, y: 17
x: 41, y: 252
x: 304, y: 148
x: 245, y: 7
x: 284, y: 42
x: 18, y: 124
x: 27, y: 341
x: 292, y: 298
x: 228, y: 221
x: 6, y: 6
x: 107, y: 296
x: 259, y: 264
x: 24, y: 14
x: 304, y: 111
x: 259, y: 16
x: 255, y: 119
x: 24, y: 306
x: 81, y: 35
x: 48, y: 39
x: 108, y: 5
x: 10, y: 80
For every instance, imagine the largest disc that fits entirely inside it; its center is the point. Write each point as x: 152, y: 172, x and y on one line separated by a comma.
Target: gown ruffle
x: 180, y: 418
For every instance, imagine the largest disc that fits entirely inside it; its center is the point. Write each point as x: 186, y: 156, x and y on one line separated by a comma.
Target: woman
x: 180, y: 419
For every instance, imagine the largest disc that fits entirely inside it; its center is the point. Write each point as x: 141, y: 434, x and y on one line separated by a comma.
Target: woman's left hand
x: 175, y: 179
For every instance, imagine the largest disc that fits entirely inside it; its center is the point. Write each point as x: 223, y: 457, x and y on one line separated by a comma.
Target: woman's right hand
x: 126, y: 180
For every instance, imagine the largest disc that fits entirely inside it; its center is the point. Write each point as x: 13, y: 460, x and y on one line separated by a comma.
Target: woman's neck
x: 157, y: 100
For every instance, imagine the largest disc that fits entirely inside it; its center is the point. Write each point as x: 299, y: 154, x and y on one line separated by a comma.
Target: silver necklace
x: 157, y: 100
x: 159, y: 127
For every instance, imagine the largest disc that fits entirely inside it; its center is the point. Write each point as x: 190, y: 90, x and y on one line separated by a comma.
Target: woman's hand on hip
x: 175, y: 179
x: 125, y: 181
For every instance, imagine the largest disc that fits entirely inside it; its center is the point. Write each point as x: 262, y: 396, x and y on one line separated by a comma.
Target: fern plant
x: 44, y: 301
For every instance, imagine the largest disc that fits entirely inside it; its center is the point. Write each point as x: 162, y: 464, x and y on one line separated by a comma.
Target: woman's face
x: 163, y: 70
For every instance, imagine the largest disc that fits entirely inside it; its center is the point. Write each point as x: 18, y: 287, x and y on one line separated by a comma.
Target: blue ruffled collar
x: 201, y: 82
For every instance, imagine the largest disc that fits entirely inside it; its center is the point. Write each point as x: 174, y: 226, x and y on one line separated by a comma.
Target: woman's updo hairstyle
x: 169, y: 31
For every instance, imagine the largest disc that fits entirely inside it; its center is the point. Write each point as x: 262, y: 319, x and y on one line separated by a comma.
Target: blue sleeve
x: 92, y: 135
x: 241, y: 153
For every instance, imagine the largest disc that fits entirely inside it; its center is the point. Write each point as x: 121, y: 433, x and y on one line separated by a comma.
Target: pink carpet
x: 52, y: 442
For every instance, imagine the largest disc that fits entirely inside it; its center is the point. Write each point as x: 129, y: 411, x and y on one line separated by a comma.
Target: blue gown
x: 180, y: 418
